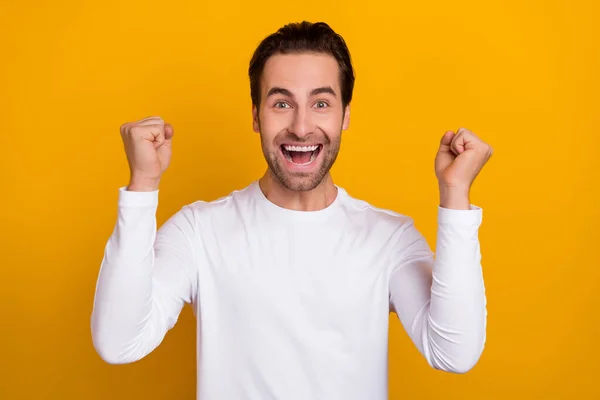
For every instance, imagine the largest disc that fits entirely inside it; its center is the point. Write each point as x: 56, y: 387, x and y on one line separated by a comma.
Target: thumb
x: 446, y: 141
x: 444, y: 156
x: 168, y: 131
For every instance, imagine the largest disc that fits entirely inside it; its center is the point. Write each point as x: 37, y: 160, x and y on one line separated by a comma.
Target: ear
x: 346, y: 121
x: 255, y: 121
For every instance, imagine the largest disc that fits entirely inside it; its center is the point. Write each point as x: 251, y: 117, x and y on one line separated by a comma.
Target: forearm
x: 440, y: 297
x: 455, y: 327
x: 123, y: 300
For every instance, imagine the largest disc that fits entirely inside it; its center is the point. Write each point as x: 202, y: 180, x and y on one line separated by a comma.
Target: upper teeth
x: 300, y: 148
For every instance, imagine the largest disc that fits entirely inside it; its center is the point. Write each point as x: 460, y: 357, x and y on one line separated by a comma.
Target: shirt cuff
x: 131, y: 198
x: 472, y: 217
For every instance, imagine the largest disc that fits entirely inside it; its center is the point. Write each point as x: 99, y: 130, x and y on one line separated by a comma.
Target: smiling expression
x: 300, y: 118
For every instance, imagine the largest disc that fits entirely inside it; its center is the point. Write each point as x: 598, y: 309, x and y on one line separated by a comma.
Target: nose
x: 302, y: 124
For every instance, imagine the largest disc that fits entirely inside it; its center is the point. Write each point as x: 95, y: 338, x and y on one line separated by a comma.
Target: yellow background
x: 522, y: 75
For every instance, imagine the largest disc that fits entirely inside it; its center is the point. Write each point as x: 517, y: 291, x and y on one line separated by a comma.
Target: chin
x: 301, y: 167
x: 301, y: 184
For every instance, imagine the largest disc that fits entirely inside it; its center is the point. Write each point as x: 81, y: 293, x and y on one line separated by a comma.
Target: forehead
x: 300, y: 72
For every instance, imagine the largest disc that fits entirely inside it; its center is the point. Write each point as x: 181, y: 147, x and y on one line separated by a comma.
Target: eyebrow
x: 314, y: 92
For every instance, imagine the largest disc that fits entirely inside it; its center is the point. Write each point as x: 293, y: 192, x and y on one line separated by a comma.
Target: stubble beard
x: 301, y: 181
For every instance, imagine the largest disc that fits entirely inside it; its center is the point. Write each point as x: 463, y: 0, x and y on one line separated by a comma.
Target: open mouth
x: 301, y: 155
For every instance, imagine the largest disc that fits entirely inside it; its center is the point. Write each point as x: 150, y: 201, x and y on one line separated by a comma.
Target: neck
x: 310, y: 200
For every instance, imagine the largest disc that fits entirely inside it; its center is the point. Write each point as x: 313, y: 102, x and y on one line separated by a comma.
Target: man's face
x: 301, y: 117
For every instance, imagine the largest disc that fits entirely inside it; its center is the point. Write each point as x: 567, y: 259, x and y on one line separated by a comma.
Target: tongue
x: 300, y: 157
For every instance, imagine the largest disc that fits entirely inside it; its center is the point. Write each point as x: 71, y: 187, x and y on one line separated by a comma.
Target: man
x: 292, y: 280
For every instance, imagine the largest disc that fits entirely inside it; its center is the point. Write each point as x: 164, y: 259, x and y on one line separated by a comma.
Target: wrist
x: 143, y: 185
x: 455, y: 197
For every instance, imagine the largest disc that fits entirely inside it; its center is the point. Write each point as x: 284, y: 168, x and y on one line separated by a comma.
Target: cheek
x: 273, y: 124
x: 331, y: 124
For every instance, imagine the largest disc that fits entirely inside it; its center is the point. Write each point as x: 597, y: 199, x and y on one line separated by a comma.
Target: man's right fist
x: 148, y: 147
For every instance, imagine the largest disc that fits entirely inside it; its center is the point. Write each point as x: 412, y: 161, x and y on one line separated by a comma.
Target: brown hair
x: 303, y: 37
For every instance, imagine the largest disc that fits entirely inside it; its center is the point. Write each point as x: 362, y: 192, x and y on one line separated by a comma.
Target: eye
x: 321, y: 104
x: 281, y: 104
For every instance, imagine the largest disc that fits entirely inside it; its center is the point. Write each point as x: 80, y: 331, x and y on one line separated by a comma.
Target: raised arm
x: 441, y: 301
x: 146, y: 275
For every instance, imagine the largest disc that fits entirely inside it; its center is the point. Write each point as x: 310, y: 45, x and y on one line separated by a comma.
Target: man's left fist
x: 460, y: 158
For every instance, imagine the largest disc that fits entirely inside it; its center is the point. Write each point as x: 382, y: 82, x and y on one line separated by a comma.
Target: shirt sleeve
x: 145, y: 278
x: 441, y: 300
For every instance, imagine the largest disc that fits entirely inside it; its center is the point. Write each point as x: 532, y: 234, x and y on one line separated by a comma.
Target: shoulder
x: 229, y: 205
x: 368, y: 214
x: 396, y: 231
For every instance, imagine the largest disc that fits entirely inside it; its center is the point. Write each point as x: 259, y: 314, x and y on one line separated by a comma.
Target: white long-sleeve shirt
x: 290, y: 304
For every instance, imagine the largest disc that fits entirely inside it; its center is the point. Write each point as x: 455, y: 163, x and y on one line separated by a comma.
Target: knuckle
x: 123, y: 128
x: 137, y: 131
